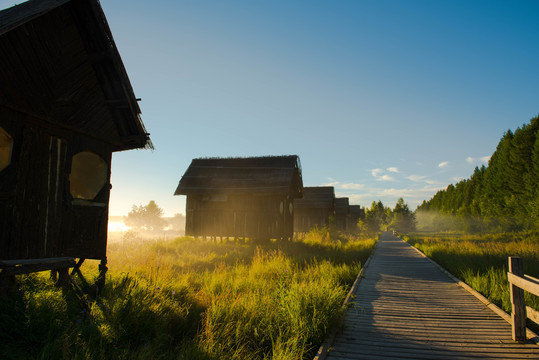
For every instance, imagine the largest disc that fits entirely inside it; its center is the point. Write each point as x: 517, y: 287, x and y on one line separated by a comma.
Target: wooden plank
x: 516, y: 350
x: 6, y: 263
x: 532, y: 314
x: 524, y: 282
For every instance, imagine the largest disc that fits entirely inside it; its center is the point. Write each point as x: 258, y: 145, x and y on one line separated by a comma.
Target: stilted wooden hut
x: 66, y: 104
x: 342, y: 211
x: 241, y: 197
x: 356, y: 213
x: 314, y: 209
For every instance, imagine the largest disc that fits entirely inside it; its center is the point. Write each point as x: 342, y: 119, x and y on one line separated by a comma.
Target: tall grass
x: 481, y: 261
x: 186, y: 299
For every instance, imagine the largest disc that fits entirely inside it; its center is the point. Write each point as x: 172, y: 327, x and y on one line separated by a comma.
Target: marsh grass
x: 481, y: 261
x: 187, y: 299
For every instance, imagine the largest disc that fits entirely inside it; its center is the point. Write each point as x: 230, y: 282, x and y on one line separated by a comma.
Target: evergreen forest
x: 503, y: 196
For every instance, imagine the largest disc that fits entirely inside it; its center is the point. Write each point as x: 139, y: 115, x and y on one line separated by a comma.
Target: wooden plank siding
x: 315, y: 208
x: 408, y: 308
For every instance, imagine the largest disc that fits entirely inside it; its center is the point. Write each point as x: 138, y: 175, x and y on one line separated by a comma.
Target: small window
x: 88, y: 175
x: 6, y: 147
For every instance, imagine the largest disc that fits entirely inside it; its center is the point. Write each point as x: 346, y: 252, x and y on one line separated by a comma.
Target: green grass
x: 481, y: 261
x: 186, y: 299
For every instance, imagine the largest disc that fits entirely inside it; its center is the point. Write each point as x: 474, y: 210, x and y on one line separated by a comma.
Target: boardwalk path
x: 407, y: 308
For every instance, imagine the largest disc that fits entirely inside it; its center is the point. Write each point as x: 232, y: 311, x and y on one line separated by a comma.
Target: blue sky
x: 382, y: 99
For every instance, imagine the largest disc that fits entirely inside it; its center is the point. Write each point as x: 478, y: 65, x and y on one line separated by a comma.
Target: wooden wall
x: 240, y: 216
x: 38, y: 216
x: 307, y: 218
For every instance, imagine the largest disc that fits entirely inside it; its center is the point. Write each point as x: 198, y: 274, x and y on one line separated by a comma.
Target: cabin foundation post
x: 102, y: 272
x: 63, y: 278
x: 518, y: 314
x: 7, y: 283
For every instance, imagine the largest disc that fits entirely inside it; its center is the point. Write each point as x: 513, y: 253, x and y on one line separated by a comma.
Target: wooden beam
x: 532, y: 314
x: 524, y: 282
x: 518, y: 314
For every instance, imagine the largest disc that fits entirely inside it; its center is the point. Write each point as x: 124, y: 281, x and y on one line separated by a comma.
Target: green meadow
x: 189, y: 299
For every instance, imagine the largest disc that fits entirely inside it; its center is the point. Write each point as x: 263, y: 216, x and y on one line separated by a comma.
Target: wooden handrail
x: 518, y: 284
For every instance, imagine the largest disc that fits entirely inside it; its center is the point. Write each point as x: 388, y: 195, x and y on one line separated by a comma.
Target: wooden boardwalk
x: 407, y: 308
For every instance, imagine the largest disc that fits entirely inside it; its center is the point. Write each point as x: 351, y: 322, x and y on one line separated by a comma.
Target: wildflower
x: 173, y: 292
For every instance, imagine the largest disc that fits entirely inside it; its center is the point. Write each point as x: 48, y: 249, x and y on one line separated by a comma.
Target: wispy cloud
x: 376, y: 172
x: 422, y: 178
x: 421, y: 193
x: 443, y: 164
x: 364, y: 194
x: 333, y: 183
x: 416, y: 178
x: 482, y: 159
x: 393, y: 169
x: 352, y: 186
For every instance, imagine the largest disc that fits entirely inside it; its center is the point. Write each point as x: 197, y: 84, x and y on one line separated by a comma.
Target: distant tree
x: 177, y: 222
x: 376, y: 216
x: 149, y: 217
x: 403, y: 218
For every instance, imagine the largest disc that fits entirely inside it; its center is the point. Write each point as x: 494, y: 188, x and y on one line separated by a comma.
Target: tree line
x: 503, y: 196
x: 150, y: 218
x: 379, y: 217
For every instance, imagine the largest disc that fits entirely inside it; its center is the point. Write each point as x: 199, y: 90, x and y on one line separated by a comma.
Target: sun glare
x: 117, y: 226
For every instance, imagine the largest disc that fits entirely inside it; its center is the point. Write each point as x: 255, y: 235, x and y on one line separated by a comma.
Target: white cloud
x: 422, y: 193
x: 351, y: 186
x: 385, y: 178
x: 376, y: 172
x: 393, y: 169
x: 421, y: 178
x: 485, y: 159
x: 443, y: 164
x: 333, y: 183
x: 416, y: 178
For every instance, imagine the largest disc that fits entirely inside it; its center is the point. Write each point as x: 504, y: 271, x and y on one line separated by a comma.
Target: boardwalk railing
x: 520, y: 282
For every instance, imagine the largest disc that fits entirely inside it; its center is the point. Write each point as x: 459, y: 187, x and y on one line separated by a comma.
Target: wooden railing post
x: 518, y: 315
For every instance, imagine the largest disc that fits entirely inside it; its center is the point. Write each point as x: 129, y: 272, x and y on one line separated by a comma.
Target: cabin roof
x: 316, y: 197
x: 342, y: 205
x: 65, y: 70
x: 261, y: 175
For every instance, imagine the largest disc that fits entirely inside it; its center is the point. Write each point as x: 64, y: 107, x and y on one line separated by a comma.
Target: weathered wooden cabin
x: 342, y: 211
x: 249, y: 197
x: 355, y: 214
x: 66, y: 104
x: 314, y: 209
